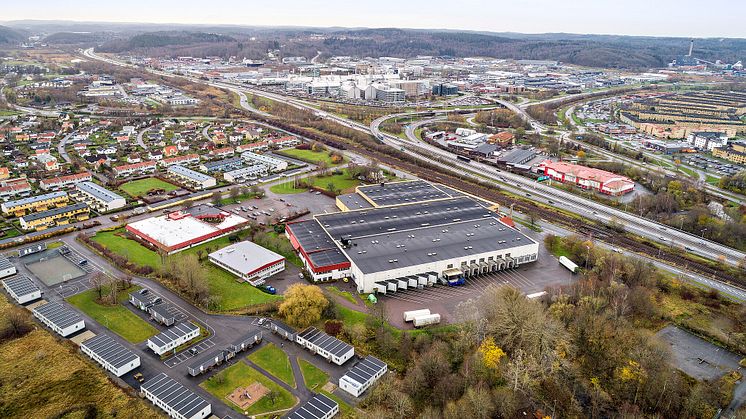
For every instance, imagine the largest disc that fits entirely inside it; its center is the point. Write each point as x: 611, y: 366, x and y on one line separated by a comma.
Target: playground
x: 244, y: 397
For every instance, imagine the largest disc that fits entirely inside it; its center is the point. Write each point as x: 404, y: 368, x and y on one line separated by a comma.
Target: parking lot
x: 442, y: 299
x: 696, y: 357
x: 186, y: 355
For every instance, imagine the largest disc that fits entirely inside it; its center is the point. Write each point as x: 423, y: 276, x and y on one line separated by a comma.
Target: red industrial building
x: 588, y: 177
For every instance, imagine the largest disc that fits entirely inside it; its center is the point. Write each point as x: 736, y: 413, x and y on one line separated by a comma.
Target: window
x: 450, y: 265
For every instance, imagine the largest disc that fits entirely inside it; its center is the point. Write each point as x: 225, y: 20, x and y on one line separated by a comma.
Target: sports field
x: 142, y: 186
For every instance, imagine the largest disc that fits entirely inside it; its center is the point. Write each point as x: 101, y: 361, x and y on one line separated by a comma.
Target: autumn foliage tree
x: 303, y: 305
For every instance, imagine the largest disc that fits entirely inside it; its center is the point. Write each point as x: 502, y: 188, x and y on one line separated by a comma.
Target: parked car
x: 269, y: 289
x: 139, y: 377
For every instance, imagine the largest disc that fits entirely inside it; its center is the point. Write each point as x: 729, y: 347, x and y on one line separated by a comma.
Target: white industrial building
x: 172, y: 338
x: 329, y: 347
x: 248, y: 261
x: 246, y: 173
x: 192, y: 178
x: 410, y: 235
x: 273, y: 163
x: 112, y: 355
x: 22, y: 289
x: 62, y: 320
x: 7, y: 268
x: 173, y: 398
x: 98, y: 197
x: 362, y: 375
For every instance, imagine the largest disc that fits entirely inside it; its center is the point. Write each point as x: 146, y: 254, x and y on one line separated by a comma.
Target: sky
x: 685, y: 18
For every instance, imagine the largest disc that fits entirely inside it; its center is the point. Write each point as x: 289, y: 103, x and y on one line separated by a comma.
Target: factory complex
x: 408, y: 234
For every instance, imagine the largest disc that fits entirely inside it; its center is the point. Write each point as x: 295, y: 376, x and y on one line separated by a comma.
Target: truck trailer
x: 426, y: 320
x: 410, y: 315
x: 567, y: 263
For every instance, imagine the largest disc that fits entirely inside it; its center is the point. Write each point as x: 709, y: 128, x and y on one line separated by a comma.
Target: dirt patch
x: 244, y: 397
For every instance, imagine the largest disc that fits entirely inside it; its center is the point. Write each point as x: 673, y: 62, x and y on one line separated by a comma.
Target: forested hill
x: 11, y: 36
x: 588, y: 50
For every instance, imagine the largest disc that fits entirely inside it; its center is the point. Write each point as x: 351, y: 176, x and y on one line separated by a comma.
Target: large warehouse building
x: 413, y: 234
x: 181, y: 230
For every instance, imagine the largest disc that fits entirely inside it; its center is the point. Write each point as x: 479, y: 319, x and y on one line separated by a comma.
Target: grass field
x: 312, y: 376
x: 116, y: 318
x: 344, y: 294
x: 234, y: 295
x: 241, y: 375
x: 309, y: 156
x: 275, y: 361
x: 341, y: 182
x: 43, y: 377
x: 142, y: 186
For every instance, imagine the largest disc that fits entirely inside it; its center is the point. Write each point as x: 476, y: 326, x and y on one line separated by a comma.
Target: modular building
x: 162, y: 314
x: 34, y: 203
x: 22, y: 289
x: 112, y: 355
x: 62, y: 320
x: 173, y: 338
x: 319, y: 406
x: 98, y: 197
x: 248, y: 261
x: 329, y: 347
x: 415, y: 234
x: 7, y: 268
x: 362, y: 375
x: 191, y: 177
x: 176, y: 400
x: 282, y: 330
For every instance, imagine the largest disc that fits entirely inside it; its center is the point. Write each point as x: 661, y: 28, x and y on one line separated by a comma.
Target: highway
x: 584, y: 207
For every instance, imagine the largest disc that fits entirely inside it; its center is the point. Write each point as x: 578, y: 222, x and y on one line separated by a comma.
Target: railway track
x: 491, y: 192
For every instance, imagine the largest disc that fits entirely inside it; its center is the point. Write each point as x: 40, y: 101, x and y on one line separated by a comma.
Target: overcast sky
x: 686, y: 18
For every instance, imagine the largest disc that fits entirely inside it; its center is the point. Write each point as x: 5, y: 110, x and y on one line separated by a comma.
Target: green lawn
x: 130, y: 249
x: 116, y: 318
x: 275, y: 361
x: 712, y: 180
x: 340, y: 182
x: 345, y: 409
x: 309, y: 156
x: 234, y: 295
x: 344, y: 294
x: 242, y: 375
x: 142, y: 186
x: 312, y: 375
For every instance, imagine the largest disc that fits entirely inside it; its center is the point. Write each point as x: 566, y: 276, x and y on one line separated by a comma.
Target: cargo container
x: 426, y: 320
x: 410, y: 315
x: 567, y: 263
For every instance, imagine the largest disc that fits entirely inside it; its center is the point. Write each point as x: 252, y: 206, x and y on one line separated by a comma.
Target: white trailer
x: 426, y: 320
x: 410, y: 315
x: 567, y: 263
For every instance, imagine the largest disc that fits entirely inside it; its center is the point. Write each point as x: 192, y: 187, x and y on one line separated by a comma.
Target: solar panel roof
x: 319, y: 406
x: 5, y: 263
x: 111, y: 351
x: 354, y: 224
x: 175, y: 395
x: 58, y: 314
x: 366, y: 369
x: 402, y: 192
x: 169, y: 335
x: 322, y: 340
x: 97, y: 191
x: 354, y: 201
x: 21, y: 285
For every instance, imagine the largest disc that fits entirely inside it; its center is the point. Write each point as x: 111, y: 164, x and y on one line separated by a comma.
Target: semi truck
x: 426, y: 320
x: 410, y: 315
x: 567, y: 263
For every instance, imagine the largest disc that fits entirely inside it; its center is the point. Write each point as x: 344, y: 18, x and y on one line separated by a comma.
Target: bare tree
x: 97, y: 282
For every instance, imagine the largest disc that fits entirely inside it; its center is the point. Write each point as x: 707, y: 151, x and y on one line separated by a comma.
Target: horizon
x: 665, y: 18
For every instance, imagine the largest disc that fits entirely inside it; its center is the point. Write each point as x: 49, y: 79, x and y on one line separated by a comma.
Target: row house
x: 142, y: 168
x: 63, y: 181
